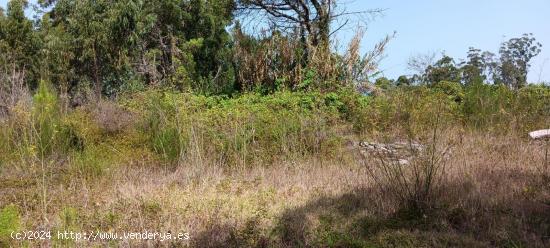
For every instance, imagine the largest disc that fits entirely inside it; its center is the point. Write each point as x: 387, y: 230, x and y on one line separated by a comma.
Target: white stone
x: 540, y: 134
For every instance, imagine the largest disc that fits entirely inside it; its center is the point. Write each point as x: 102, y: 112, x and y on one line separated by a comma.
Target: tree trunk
x: 97, y: 81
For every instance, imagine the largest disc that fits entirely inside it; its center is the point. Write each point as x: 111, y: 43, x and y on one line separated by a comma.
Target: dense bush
x: 254, y: 128
x: 410, y: 109
x: 248, y: 128
x: 498, y: 108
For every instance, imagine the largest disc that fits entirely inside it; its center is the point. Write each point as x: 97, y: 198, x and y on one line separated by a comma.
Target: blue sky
x: 428, y: 26
x: 425, y: 26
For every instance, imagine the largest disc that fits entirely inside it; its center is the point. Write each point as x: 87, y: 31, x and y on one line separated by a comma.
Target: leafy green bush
x: 532, y: 107
x: 453, y: 90
x: 247, y: 128
x: 410, y: 109
x: 497, y: 107
x: 485, y: 106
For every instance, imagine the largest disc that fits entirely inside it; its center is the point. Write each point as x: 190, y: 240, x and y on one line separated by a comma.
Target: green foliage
x: 532, y: 108
x: 41, y: 129
x: 444, y: 69
x: 19, y: 43
x: 410, y: 109
x: 452, y: 89
x: 497, y: 106
x: 79, y: 130
x: 310, y: 79
x: 383, y: 83
x: 161, y: 125
x: 69, y: 219
x: 328, y: 235
x: 515, y: 57
x: 484, y: 105
x: 45, y: 115
x: 110, y: 43
x: 91, y: 163
x: 51, y: 131
x: 10, y: 221
x: 248, y: 128
x: 403, y: 81
x: 475, y: 69
x: 510, y: 68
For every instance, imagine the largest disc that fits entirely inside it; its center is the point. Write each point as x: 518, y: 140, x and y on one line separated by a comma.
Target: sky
x: 428, y: 26
x: 436, y: 26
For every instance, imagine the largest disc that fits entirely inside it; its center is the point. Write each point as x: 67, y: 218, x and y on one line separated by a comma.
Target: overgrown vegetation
x: 159, y: 115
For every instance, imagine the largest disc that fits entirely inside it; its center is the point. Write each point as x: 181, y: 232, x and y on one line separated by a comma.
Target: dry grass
x: 494, y: 194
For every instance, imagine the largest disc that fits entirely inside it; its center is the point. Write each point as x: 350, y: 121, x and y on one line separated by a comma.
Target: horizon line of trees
x: 510, y: 67
x: 106, y: 46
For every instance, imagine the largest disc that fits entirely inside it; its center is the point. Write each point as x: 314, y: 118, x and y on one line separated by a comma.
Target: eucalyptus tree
x: 167, y: 42
x: 312, y: 18
x: 515, y: 58
x: 19, y: 44
x: 445, y: 69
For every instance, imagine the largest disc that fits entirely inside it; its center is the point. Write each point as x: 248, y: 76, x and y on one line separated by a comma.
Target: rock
x: 398, y: 152
x: 540, y: 134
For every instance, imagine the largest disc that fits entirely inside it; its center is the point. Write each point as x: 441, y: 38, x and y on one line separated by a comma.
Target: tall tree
x: 515, y: 58
x: 19, y: 44
x: 444, y: 69
x: 312, y: 17
x: 478, y: 66
x: 56, y: 56
x: 167, y: 41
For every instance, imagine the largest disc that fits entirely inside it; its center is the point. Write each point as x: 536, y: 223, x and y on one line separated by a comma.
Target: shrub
x: 411, y: 110
x: 80, y: 130
x: 497, y: 107
x: 160, y: 124
x: 90, y: 163
x: 111, y: 117
x: 487, y: 106
x: 250, y: 127
x: 45, y: 115
x: 413, y: 185
x: 453, y: 90
x: 532, y: 107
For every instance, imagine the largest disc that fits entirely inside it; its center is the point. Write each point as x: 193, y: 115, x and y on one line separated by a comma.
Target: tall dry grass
x: 493, y: 194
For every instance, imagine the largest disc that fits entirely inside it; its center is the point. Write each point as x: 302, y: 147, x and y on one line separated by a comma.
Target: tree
x: 383, y: 83
x: 403, y: 81
x: 420, y: 62
x: 311, y: 18
x: 479, y: 67
x: 175, y: 43
x: 19, y: 44
x: 473, y: 68
x: 85, y: 21
x: 515, y: 57
x: 444, y: 69
x: 56, y: 56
